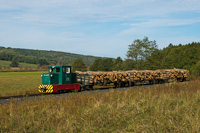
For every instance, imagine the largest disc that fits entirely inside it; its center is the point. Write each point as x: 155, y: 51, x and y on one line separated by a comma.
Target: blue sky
x: 97, y: 27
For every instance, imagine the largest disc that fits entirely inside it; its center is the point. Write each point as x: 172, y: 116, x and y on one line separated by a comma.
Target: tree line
x: 143, y: 54
x: 41, y: 57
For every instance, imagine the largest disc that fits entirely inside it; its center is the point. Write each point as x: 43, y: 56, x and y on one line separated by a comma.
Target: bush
x: 78, y: 65
x: 196, y: 69
x: 14, y: 63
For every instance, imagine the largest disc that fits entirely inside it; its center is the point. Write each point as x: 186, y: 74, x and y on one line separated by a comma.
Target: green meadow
x: 19, y: 83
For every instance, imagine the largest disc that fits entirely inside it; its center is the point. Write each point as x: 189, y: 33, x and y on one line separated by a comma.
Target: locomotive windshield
x: 51, y: 69
x: 57, y: 69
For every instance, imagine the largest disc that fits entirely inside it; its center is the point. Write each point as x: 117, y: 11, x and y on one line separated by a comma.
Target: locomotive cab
x: 59, y: 77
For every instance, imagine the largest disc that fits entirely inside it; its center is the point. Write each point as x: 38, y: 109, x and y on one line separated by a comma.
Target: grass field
x: 164, y: 108
x: 7, y: 64
x: 19, y: 83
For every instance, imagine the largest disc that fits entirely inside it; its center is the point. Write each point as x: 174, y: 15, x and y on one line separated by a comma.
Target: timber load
x: 134, y: 76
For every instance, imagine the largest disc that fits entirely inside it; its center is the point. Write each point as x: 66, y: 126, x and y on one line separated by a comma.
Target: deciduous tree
x: 78, y: 65
x: 42, y: 61
x: 141, y: 49
x: 117, y: 64
x: 14, y: 63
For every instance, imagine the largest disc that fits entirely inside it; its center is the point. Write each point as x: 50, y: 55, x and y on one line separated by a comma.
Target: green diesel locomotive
x: 60, y: 78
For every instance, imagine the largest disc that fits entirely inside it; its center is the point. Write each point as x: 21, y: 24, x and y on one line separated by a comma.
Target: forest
x: 144, y: 55
x: 42, y: 57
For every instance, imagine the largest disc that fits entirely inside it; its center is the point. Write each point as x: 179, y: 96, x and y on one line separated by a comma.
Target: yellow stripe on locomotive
x: 45, y: 88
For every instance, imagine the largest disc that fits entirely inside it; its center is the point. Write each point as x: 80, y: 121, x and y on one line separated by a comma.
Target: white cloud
x: 166, y: 22
x: 55, y: 11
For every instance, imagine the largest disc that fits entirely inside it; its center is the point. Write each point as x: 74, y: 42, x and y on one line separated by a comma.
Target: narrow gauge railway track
x: 18, y: 98
x: 44, y: 94
x: 6, y: 100
x: 21, y: 96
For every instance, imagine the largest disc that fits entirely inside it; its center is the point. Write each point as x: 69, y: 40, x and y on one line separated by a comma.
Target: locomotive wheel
x: 82, y: 88
x: 120, y: 84
x: 130, y: 84
x: 115, y: 86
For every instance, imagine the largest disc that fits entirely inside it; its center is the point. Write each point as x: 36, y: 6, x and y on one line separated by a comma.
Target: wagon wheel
x: 120, y: 84
x: 82, y: 88
x: 115, y: 85
x: 130, y: 84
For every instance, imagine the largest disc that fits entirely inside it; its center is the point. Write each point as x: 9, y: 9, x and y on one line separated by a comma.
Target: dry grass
x: 170, y: 108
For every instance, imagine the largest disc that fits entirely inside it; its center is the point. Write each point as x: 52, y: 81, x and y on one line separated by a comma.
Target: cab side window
x: 68, y: 70
x: 57, y: 69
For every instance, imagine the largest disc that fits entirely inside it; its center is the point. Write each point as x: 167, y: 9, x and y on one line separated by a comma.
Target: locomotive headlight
x: 41, y: 75
x: 51, y: 75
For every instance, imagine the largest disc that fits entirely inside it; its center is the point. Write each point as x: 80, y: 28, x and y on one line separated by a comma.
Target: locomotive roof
x: 59, y: 65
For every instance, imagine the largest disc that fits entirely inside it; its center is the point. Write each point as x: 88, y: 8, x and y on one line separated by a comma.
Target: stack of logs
x: 135, y: 75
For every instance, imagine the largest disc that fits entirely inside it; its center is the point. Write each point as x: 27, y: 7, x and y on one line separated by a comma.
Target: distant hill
x: 52, y: 57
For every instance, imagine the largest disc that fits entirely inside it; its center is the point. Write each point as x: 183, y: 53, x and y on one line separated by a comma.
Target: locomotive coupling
x: 45, y: 88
